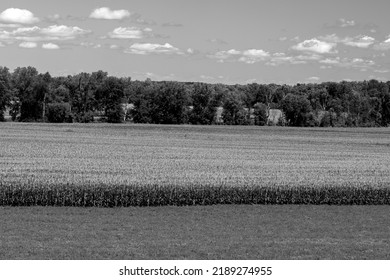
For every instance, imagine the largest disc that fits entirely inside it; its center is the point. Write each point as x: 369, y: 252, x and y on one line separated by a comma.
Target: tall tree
x: 24, y: 80
x: 204, y: 105
x: 5, y: 90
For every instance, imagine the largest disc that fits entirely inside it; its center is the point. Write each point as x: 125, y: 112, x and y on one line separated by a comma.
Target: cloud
x: 358, y: 63
x: 360, y: 41
x: 14, y: 15
x: 50, y: 46
x: 35, y: 33
x: 148, y: 48
x: 382, y: 71
x: 346, y: 23
x: 63, y: 32
x: 384, y: 46
x: 315, y: 45
x: 247, y: 56
x: 217, y: 41
x: 330, y: 61
x: 28, y: 45
x: 107, y: 13
x: 313, y: 79
x: 171, y: 24
x: 253, y: 55
x: 128, y: 33
x: 1, y: 44
x: 90, y: 45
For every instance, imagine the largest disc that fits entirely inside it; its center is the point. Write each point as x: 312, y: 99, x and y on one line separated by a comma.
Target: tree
x: 296, y: 108
x: 109, y: 97
x: 24, y: 81
x: 5, y: 90
x: 233, y: 111
x: 169, y: 104
x: 261, y: 114
x: 204, y: 106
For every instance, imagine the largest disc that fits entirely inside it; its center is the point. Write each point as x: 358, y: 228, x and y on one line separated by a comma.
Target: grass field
x: 196, y: 232
x: 46, y: 164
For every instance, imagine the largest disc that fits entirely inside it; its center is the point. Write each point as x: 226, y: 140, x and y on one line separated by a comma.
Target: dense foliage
x: 31, y: 96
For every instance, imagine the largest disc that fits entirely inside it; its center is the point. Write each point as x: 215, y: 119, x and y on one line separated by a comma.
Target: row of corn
x: 156, y: 195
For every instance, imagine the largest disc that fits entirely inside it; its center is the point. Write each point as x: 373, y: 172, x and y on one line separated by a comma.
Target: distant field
x: 157, y: 156
x: 229, y: 155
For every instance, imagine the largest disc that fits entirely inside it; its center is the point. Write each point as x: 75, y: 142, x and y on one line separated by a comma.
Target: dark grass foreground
x: 156, y: 195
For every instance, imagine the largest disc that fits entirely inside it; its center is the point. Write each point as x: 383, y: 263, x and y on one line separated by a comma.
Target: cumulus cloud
x: 313, y: 79
x: 171, y: 24
x: 128, y: 33
x: 247, y: 56
x: 253, y: 55
x: 148, y: 48
x: 28, y: 45
x: 385, y: 45
x: 50, y: 46
x: 107, y: 13
x: 217, y: 41
x: 346, y: 23
x: 15, y: 15
x: 330, y: 61
x: 359, y: 63
x: 35, y: 33
x: 63, y: 32
x: 360, y: 41
x: 315, y: 45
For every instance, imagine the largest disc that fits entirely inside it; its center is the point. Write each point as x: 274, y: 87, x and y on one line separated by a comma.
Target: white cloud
x: 253, y: 55
x: 382, y: 71
x: 114, y: 47
x: 330, y: 60
x: 127, y: 33
x: 360, y: 41
x: 15, y: 15
x: 247, y: 56
x: 384, y: 46
x: 35, y: 33
x: 63, y: 32
x: 107, y: 13
x: 190, y: 51
x: 346, y: 23
x: 10, y: 25
x: 148, y: 48
x: 28, y: 45
x: 313, y: 79
x: 358, y: 63
x: 315, y: 45
x: 50, y: 46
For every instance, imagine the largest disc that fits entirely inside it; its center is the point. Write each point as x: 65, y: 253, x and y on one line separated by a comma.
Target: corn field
x: 144, y: 165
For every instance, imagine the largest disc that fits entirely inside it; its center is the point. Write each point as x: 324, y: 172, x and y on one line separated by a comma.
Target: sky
x: 214, y: 41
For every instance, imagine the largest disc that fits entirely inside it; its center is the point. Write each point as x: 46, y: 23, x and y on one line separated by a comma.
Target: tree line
x: 85, y: 97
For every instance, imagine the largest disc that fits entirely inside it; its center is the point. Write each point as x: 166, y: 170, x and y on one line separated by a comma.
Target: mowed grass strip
x: 203, y: 232
x: 149, y: 165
